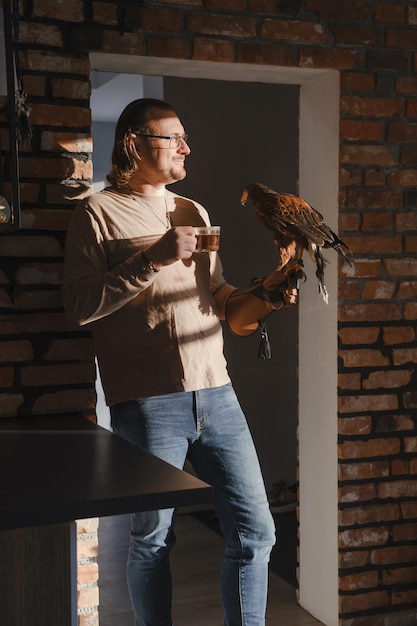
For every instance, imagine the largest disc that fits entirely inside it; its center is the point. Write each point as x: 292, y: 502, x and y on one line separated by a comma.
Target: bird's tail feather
x: 320, y: 265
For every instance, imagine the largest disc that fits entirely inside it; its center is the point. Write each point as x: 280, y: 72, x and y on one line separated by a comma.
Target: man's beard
x: 178, y: 174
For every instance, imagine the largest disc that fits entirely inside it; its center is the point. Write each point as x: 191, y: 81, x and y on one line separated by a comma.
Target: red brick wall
x: 46, y: 365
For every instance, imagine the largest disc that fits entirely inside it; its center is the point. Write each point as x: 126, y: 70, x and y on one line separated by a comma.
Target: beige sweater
x: 154, y: 333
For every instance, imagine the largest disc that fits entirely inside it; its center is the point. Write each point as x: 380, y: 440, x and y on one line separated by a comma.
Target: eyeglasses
x: 174, y: 140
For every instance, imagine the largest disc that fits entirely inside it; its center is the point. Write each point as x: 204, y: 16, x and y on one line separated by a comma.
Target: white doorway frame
x: 319, y: 184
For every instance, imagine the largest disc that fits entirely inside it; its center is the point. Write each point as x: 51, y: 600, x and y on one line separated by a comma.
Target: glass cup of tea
x: 208, y: 238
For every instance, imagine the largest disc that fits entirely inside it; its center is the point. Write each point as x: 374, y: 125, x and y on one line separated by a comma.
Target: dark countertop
x: 58, y: 469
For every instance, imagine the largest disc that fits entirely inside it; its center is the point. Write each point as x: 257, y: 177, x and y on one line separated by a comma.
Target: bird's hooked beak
x: 245, y: 196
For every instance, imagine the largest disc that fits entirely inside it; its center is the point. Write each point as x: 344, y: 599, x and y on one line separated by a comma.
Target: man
x: 154, y: 307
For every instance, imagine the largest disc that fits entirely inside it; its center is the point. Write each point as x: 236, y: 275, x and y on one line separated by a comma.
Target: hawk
x: 292, y: 219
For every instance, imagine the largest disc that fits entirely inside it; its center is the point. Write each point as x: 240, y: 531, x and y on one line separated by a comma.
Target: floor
x: 195, y: 564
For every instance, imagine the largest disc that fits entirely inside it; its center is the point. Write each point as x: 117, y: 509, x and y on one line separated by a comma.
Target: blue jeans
x: 207, y: 427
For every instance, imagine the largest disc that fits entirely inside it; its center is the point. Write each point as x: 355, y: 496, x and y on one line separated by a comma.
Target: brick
x: 401, y: 356
x: 30, y: 246
x: 348, y: 290
x: 410, y: 400
x: 349, y: 381
x: 216, y: 24
x: 71, y: 89
x: 393, y: 423
x: 370, y: 448
x: 394, y: 554
x: 361, y: 268
x: 213, y: 50
x: 408, y: 154
x: 16, y: 351
x: 402, y: 178
x: 46, y: 219
x: 389, y: 13
x: 407, y: 289
x: 87, y: 526
x: 68, y: 193
x: 362, y: 471
x: 166, y: 46
x: 388, y: 379
x: 40, y: 34
x: 361, y: 130
x: 159, y: 19
x: 360, y: 425
x: 377, y: 220
x: 368, y: 199
x: 34, y: 300
x: 403, y: 266
x: 58, y: 115
x: 46, y: 375
x: 370, y: 313
x: 264, y: 54
x: 412, y: 15
x: 10, y: 404
x: 288, y: 30
x: 48, y: 323
x: 56, y: 168
x: 378, y: 244
x: 390, y: 60
x: 337, y: 59
x: 87, y: 573
x: 65, y: 401
x: 104, y: 13
x: 367, y: 155
x: 365, y: 601
x: 405, y: 220
x: 124, y: 43
x: 397, y: 489
x: 410, y: 311
x: 357, y: 81
x: 357, y: 34
x: 402, y: 131
x: 353, y: 559
x: 401, y: 38
x: 399, y: 466
x: 363, y: 357
x: 405, y: 532
x: 370, y: 514
x: 406, y: 85
x: 229, y: 5
x: 88, y: 619
x: 39, y: 274
x: 46, y: 61
x: 87, y: 597
x: 374, y: 178
x: 410, y: 243
x: 410, y: 444
x: 350, y: 176
x: 349, y: 221
x: 357, y: 493
x: 69, y: 349
x: 6, y: 376
x: 363, y: 580
x: 409, y: 509
x: 5, y: 300
x: 35, y: 86
x: 356, y: 106
x: 355, y: 335
x: 406, y: 597
x: 378, y: 290
x: 352, y: 10
x: 411, y: 109
x: 363, y: 404
x: 87, y: 546
x: 72, y: 12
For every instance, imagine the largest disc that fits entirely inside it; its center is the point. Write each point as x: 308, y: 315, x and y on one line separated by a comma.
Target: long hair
x: 134, y: 117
